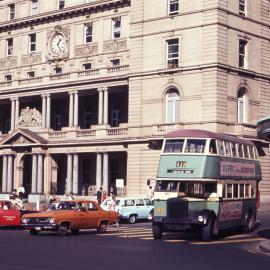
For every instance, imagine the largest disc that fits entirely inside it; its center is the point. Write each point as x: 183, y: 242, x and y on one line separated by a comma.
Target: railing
x: 5, y: 84
x: 90, y: 72
x: 59, y: 76
x: 57, y: 134
x: 118, y: 68
x: 31, y: 80
x: 117, y: 131
x: 86, y: 132
x: 3, y: 136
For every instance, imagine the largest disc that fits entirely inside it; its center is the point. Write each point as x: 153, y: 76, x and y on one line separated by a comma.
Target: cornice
x: 57, y: 15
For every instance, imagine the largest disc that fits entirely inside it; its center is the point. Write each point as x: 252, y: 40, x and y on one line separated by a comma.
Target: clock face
x: 58, y: 44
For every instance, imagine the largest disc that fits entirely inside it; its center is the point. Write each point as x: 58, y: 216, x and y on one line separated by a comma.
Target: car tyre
x: 102, y: 228
x: 250, y: 222
x: 62, y: 229
x: 132, y: 219
x: 157, y: 232
x: 208, y: 230
x: 33, y: 232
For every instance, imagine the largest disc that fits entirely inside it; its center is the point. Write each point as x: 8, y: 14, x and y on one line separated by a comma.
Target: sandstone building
x: 88, y: 89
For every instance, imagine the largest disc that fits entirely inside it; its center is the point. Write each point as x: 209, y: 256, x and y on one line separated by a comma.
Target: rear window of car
x: 129, y: 203
x: 148, y: 202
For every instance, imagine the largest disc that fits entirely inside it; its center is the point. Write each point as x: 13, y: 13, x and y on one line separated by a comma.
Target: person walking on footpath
x: 21, y: 192
x: 113, y: 208
x: 99, y: 194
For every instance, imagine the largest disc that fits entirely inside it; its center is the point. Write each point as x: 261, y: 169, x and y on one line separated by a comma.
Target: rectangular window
x: 195, y: 146
x: 173, y: 7
x: 8, y: 78
x: 172, y: 53
x: 32, y: 42
x: 235, y: 191
x: 220, y: 147
x: 87, y: 66
x: 240, y: 150
x: 229, y: 191
x: 246, y: 151
x: 242, y: 191
x: 87, y: 120
x: 242, y: 53
x: 251, y: 152
x: 11, y: 11
x: 227, y: 148
x: 9, y: 44
x: 88, y: 35
x: 61, y: 4
x: 115, y: 62
x: 116, y: 27
x: 234, y: 152
x: 58, y: 70
x: 30, y: 74
x: 34, y: 7
x: 174, y: 146
x: 242, y: 7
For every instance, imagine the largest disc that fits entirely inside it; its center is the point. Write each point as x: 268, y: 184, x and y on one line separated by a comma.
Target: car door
x: 94, y: 215
x: 80, y: 216
x: 10, y: 217
x: 141, y: 211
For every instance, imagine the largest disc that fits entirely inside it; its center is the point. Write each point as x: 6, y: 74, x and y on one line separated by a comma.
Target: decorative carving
x: 31, y: 59
x: 21, y: 139
x: 29, y: 118
x: 8, y: 62
x: 115, y: 45
x: 86, y: 50
x: 58, y: 30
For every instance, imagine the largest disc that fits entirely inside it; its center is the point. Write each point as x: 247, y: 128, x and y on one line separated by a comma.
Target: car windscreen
x: 66, y: 206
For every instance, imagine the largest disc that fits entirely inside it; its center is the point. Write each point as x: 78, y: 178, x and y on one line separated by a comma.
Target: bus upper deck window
x: 240, y: 150
x: 174, y: 146
x: 213, y: 147
x: 251, y: 152
x: 195, y: 146
x: 227, y: 148
x: 220, y: 147
x: 234, y: 152
x: 246, y: 151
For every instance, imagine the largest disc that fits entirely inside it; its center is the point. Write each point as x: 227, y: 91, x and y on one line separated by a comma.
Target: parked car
x: 133, y: 209
x: 105, y: 205
x: 11, y: 213
x: 70, y: 216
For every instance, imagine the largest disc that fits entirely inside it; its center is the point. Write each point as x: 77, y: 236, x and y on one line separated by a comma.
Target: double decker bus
x: 205, y: 181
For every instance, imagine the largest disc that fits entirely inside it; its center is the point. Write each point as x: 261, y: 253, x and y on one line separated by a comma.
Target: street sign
x: 119, y: 183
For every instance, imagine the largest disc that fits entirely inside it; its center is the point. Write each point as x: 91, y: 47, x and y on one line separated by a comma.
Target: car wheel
x: 250, y: 222
x: 33, y: 232
x: 208, y: 230
x: 75, y: 231
x: 63, y: 229
x: 102, y: 228
x: 157, y: 232
x: 132, y: 219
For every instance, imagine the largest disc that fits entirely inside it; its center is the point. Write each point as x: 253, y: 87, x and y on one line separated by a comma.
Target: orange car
x: 70, y: 216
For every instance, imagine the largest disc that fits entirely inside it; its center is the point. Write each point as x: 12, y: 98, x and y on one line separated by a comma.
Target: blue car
x: 133, y: 209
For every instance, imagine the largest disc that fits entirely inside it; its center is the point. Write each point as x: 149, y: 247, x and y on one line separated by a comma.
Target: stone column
x: 43, y: 111
x: 48, y: 111
x: 105, y: 172
x: 71, y: 109
x: 17, y: 111
x: 34, y: 174
x: 75, y: 174
x: 10, y: 174
x: 105, y: 107
x: 76, y: 108
x: 12, y: 118
x: 98, y: 172
x: 100, y: 105
x: 69, y: 174
x: 39, y: 173
x: 4, y: 174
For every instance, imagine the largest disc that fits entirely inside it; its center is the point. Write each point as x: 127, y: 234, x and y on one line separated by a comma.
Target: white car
x: 105, y: 205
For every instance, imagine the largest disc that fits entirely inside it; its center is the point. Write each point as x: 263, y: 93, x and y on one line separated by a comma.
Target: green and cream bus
x: 205, y: 181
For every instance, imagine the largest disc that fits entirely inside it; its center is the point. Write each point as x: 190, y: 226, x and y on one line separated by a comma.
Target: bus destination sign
x: 237, y: 169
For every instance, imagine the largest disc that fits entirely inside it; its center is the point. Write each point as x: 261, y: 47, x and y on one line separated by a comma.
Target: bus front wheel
x: 157, y: 232
x: 210, y: 230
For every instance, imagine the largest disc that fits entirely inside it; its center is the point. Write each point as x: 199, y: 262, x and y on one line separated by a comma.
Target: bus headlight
x: 200, y: 219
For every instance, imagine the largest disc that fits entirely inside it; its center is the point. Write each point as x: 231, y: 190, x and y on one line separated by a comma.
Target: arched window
x: 241, y: 106
x: 172, y: 106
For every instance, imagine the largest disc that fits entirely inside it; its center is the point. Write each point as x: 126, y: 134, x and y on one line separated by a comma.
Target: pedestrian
x: 113, y: 208
x: 99, y: 193
x: 21, y: 192
x: 14, y: 194
x: 104, y: 196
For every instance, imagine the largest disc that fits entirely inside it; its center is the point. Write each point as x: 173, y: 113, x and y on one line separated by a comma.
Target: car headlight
x: 25, y: 220
x: 50, y: 220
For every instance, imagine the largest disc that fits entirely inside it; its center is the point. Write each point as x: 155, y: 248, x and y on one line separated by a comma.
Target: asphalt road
x: 132, y: 247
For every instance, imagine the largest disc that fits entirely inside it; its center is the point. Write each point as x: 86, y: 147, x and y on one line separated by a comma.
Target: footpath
x: 264, y: 246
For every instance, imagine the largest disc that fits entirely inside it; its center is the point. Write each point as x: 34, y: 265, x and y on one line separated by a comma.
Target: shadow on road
x: 264, y: 233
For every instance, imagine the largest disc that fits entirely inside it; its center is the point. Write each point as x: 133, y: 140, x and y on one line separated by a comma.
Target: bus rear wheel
x: 157, y: 232
x: 250, y: 222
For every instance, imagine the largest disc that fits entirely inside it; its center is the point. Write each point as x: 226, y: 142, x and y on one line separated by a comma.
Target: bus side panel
x: 195, y: 207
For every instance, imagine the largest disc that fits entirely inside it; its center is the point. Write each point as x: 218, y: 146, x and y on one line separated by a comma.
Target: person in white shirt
x: 113, y: 208
x: 21, y: 192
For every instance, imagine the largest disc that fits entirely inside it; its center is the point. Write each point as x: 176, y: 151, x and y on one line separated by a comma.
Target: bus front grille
x: 177, y: 208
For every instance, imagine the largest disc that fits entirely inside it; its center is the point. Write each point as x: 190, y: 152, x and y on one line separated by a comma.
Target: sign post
x: 120, y: 184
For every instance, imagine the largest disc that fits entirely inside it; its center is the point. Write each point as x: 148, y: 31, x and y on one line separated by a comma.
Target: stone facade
x: 111, y: 78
